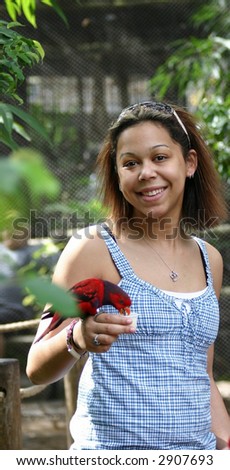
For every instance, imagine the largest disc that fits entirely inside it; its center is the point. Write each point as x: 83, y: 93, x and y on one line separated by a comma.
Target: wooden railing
x: 11, y: 394
x: 10, y: 403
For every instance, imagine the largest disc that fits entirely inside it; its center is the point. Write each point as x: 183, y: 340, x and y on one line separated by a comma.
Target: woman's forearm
x: 49, y: 359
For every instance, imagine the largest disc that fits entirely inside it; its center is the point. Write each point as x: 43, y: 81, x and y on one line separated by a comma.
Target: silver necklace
x: 174, y: 276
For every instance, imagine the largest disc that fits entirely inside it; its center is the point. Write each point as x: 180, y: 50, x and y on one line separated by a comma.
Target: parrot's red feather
x: 90, y: 295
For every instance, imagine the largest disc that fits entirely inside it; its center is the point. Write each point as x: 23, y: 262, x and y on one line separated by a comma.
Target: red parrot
x: 91, y: 294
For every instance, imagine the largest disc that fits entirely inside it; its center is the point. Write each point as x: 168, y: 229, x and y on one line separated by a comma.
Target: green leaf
x: 13, y: 8
x: 13, y: 24
x: 30, y: 120
x: 18, y: 72
x: 7, y: 120
x: 8, y: 123
x: 56, y: 8
x: 29, y: 7
x: 40, y: 49
x: 19, y: 129
x: 6, y: 138
x: 27, y: 57
x: 47, y: 293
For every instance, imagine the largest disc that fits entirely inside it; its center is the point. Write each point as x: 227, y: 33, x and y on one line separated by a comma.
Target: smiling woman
x: 203, y: 202
x: 147, y: 385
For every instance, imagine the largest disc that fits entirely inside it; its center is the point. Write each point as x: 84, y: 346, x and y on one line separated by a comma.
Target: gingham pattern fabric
x: 151, y: 389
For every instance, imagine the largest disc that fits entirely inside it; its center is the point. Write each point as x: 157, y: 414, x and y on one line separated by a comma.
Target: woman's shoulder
x: 88, y: 237
x: 216, y: 266
x: 83, y: 257
x: 213, y: 254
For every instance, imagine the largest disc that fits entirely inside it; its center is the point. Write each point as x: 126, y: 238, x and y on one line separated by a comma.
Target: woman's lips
x: 150, y: 194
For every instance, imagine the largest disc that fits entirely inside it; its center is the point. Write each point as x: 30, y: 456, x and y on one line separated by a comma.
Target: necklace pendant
x: 174, y: 276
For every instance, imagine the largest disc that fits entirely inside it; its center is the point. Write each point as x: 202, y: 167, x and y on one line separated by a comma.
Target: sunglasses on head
x: 165, y: 108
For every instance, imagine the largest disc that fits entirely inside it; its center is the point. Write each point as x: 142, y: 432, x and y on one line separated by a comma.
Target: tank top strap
x: 203, y: 249
x: 119, y: 259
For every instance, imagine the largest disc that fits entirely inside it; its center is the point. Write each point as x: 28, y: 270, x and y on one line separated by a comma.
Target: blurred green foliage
x: 46, y: 293
x: 25, y: 182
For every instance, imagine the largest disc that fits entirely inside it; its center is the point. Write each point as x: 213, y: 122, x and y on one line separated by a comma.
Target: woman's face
x: 152, y: 170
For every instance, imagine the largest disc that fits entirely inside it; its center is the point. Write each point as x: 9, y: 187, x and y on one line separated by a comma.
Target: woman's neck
x: 162, y: 231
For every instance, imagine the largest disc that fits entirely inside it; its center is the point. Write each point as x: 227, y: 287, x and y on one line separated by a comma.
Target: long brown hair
x: 203, y: 203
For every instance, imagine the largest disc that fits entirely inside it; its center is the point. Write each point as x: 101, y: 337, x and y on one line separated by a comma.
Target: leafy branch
x: 16, y: 53
x: 16, y: 8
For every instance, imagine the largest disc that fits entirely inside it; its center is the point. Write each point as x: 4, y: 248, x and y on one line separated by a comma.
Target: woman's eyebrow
x: 151, y: 148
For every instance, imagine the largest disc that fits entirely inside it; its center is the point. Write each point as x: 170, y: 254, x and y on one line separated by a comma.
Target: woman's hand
x: 102, y: 329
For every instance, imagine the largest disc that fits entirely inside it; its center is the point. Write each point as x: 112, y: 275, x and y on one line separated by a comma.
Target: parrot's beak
x: 125, y: 311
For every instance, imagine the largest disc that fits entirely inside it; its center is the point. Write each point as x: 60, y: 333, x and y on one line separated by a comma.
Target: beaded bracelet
x: 73, y: 348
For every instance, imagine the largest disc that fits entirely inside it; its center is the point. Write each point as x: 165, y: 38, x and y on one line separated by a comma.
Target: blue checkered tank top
x: 151, y: 390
